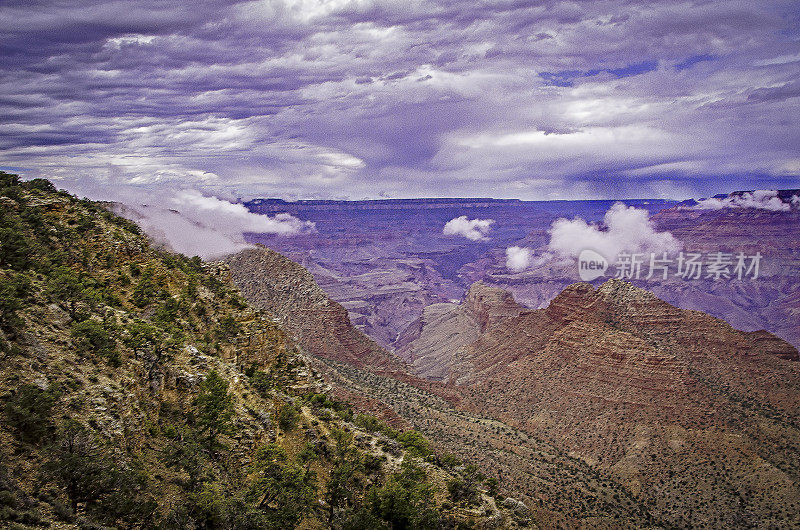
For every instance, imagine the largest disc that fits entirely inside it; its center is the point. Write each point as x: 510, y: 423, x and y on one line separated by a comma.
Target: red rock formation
x: 489, y: 305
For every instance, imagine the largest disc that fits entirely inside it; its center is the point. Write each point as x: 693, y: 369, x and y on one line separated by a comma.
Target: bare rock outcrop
x: 285, y: 289
x: 490, y: 305
x: 432, y: 343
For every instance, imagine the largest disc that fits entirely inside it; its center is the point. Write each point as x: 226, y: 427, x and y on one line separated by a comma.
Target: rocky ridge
x: 534, y: 470
x: 321, y: 325
x: 641, y: 388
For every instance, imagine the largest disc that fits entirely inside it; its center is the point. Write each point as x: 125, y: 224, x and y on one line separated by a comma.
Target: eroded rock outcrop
x: 619, y: 377
x: 432, y: 343
x: 273, y: 282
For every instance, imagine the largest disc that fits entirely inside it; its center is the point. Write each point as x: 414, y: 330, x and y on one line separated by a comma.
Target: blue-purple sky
x: 357, y: 99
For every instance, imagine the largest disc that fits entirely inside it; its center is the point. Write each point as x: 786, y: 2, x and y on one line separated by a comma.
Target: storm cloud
x: 360, y: 98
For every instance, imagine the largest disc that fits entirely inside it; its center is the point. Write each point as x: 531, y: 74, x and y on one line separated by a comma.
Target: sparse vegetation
x: 214, y: 408
x: 288, y: 417
x: 92, y: 338
x: 127, y: 402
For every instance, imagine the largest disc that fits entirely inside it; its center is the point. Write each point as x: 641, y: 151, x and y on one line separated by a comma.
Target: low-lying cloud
x: 228, y: 216
x: 472, y: 229
x: 625, y: 229
x: 199, y: 225
x: 518, y: 258
x: 759, y: 199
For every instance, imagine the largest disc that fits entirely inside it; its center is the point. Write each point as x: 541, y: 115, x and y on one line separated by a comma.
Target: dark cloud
x: 313, y: 98
x: 779, y: 93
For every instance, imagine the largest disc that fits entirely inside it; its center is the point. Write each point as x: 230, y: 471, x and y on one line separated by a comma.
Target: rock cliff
x: 643, y: 389
x: 432, y: 343
x: 274, y: 283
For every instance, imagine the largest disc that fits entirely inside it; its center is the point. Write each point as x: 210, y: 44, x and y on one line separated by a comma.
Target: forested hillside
x: 139, y: 390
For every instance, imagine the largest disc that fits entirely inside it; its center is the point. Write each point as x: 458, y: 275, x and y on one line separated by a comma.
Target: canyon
x: 650, y: 402
x: 643, y: 413
x: 386, y: 261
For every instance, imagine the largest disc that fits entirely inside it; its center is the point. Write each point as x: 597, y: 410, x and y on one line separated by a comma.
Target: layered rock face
x: 620, y: 378
x: 619, y: 325
x: 490, y: 305
x: 272, y: 282
x: 432, y: 343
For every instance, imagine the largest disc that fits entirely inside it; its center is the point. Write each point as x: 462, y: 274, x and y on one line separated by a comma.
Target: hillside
x: 609, y: 408
x: 560, y: 491
x: 139, y: 390
x: 697, y: 419
x: 321, y: 325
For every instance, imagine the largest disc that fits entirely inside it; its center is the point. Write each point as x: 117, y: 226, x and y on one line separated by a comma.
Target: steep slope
x: 432, y: 343
x: 276, y: 284
x: 608, y: 408
x: 698, y: 419
x: 139, y: 390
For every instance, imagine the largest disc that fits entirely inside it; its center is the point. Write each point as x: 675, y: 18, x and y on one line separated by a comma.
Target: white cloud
x: 128, y: 40
x: 230, y: 217
x: 518, y: 258
x: 759, y: 199
x: 783, y: 59
x: 195, y: 224
x: 472, y: 229
x: 626, y: 229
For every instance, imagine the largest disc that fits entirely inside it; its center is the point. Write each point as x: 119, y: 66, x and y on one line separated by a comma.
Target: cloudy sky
x: 355, y: 99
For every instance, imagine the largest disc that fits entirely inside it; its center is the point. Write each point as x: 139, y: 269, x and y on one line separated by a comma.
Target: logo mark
x: 591, y: 265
